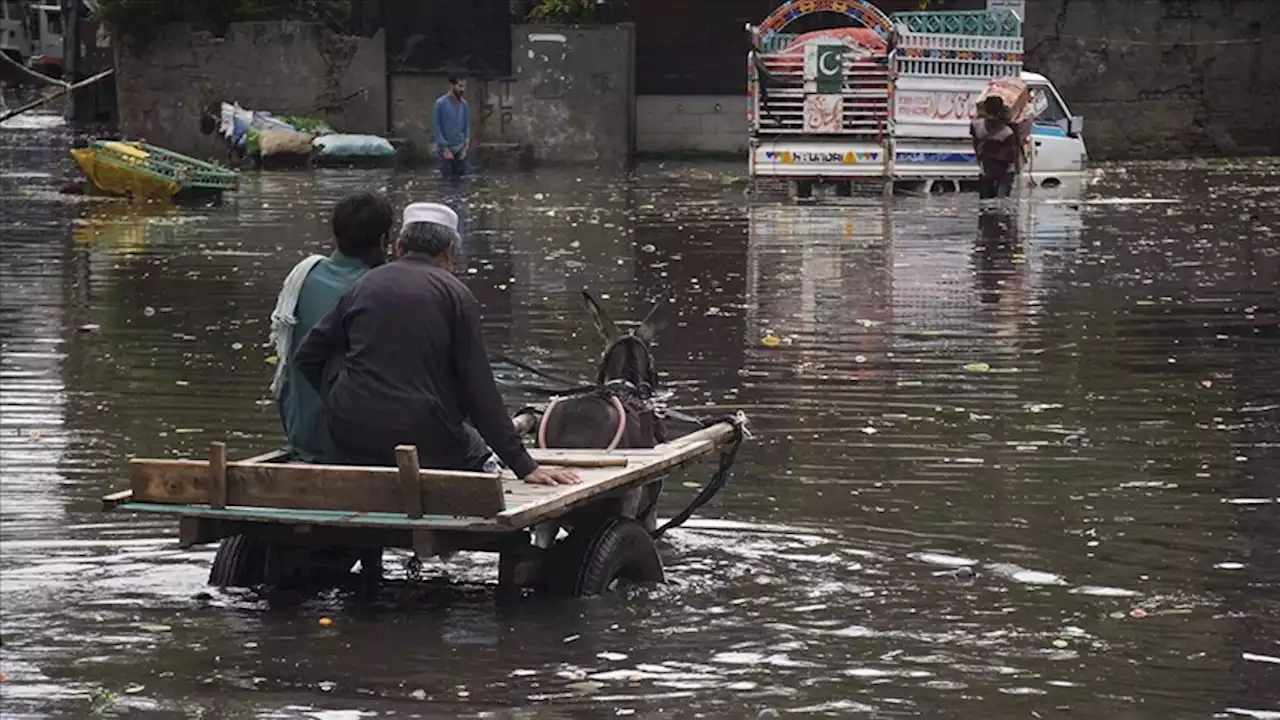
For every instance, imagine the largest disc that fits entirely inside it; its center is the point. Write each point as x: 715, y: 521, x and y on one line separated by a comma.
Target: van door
x: 15, y: 41
x: 1053, y: 150
x: 50, y: 43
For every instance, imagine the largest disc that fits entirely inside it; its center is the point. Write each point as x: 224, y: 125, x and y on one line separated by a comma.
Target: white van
x: 15, y: 37
x: 889, y: 103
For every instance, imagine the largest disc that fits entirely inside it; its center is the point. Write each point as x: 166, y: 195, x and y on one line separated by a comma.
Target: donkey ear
x: 604, y: 325
x: 652, y: 325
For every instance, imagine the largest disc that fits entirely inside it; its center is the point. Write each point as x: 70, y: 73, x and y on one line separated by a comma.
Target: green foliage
x: 305, y: 124
x: 136, y: 20
x: 252, y: 142
x: 563, y: 11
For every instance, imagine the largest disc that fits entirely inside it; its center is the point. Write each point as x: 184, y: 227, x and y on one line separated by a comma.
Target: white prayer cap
x: 430, y: 212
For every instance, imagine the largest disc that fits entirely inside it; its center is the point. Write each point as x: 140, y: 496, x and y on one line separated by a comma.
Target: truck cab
x: 1057, y: 141
x: 887, y: 102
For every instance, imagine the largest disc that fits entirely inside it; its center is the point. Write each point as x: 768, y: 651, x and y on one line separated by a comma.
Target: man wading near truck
x: 400, y: 361
x: 998, y: 147
x: 453, y: 129
x: 361, y: 228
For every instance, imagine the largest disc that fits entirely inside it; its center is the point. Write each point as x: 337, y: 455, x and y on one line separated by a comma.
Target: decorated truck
x: 887, y: 101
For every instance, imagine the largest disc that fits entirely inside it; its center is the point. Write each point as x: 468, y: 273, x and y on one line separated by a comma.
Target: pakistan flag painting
x: 824, y: 68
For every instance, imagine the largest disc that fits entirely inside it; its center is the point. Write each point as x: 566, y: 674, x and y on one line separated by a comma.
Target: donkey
x: 617, y: 414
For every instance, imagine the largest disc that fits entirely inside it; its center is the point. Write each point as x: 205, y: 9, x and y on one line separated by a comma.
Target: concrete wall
x: 287, y: 68
x: 569, y: 100
x: 666, y: 124
x: 572, y: 97
x: 1162, y: 79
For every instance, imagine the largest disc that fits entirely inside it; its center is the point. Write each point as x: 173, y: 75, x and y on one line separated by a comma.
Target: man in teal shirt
x: 361, y: 230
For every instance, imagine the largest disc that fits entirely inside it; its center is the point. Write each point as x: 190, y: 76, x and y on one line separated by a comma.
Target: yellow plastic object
x: 115, y: 179
x: 126, y: 149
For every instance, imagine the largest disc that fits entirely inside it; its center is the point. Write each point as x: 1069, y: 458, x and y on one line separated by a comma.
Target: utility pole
x: 71, y: 54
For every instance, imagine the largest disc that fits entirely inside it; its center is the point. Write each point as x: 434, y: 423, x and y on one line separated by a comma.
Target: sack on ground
x: 1017, y: 98
x: 353, y: 146
x: 283, y: 142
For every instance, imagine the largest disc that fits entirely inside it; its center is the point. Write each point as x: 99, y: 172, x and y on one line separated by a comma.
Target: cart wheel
x: 241, y: 562
x: 591, y: 562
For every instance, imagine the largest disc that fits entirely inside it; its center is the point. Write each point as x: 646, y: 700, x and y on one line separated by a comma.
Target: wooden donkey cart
x: 281, y: 522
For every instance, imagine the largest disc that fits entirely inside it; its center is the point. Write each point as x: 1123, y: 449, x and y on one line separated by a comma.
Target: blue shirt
x: 301, y: 408
x: 452, y: 123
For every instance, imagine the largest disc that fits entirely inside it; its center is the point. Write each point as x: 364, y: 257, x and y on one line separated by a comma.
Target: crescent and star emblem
x: 826, y: 67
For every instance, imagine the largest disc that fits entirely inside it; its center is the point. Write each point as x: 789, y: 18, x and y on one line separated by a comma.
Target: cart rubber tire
x: 241, y: 562
x: 618, y: 549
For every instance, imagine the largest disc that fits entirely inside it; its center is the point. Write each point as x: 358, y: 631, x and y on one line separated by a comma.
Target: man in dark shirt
x: 401, y: 361
x: 998, y: 149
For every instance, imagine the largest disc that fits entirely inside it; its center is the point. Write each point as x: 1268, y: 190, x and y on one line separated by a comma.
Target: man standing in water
x: 453, y: 129
x: 998, y: 148
x: 413, y: 368
x: 361, y: 227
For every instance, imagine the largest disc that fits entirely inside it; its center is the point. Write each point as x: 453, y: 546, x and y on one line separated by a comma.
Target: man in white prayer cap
x: 401, y: 361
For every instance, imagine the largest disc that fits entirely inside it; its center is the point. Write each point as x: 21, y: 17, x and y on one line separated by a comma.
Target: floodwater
x: 1022, y: 466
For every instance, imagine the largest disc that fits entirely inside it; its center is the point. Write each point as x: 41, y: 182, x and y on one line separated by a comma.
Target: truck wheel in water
x: 241, y: 562
x: 592, y: 559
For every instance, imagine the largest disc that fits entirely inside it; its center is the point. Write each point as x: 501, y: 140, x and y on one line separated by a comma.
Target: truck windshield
x: 1053, y: 112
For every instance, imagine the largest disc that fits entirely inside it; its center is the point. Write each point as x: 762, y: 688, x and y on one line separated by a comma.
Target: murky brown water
x: 1081, y: 405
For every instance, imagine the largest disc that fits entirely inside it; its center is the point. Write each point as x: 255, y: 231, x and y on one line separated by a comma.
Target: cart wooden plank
x: 374, y: 496
x: 530, y: 504
x: 315, y: 487
x: 290, y: 516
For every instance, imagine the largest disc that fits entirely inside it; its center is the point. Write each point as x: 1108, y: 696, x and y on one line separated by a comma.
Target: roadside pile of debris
x: 267, y: 140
